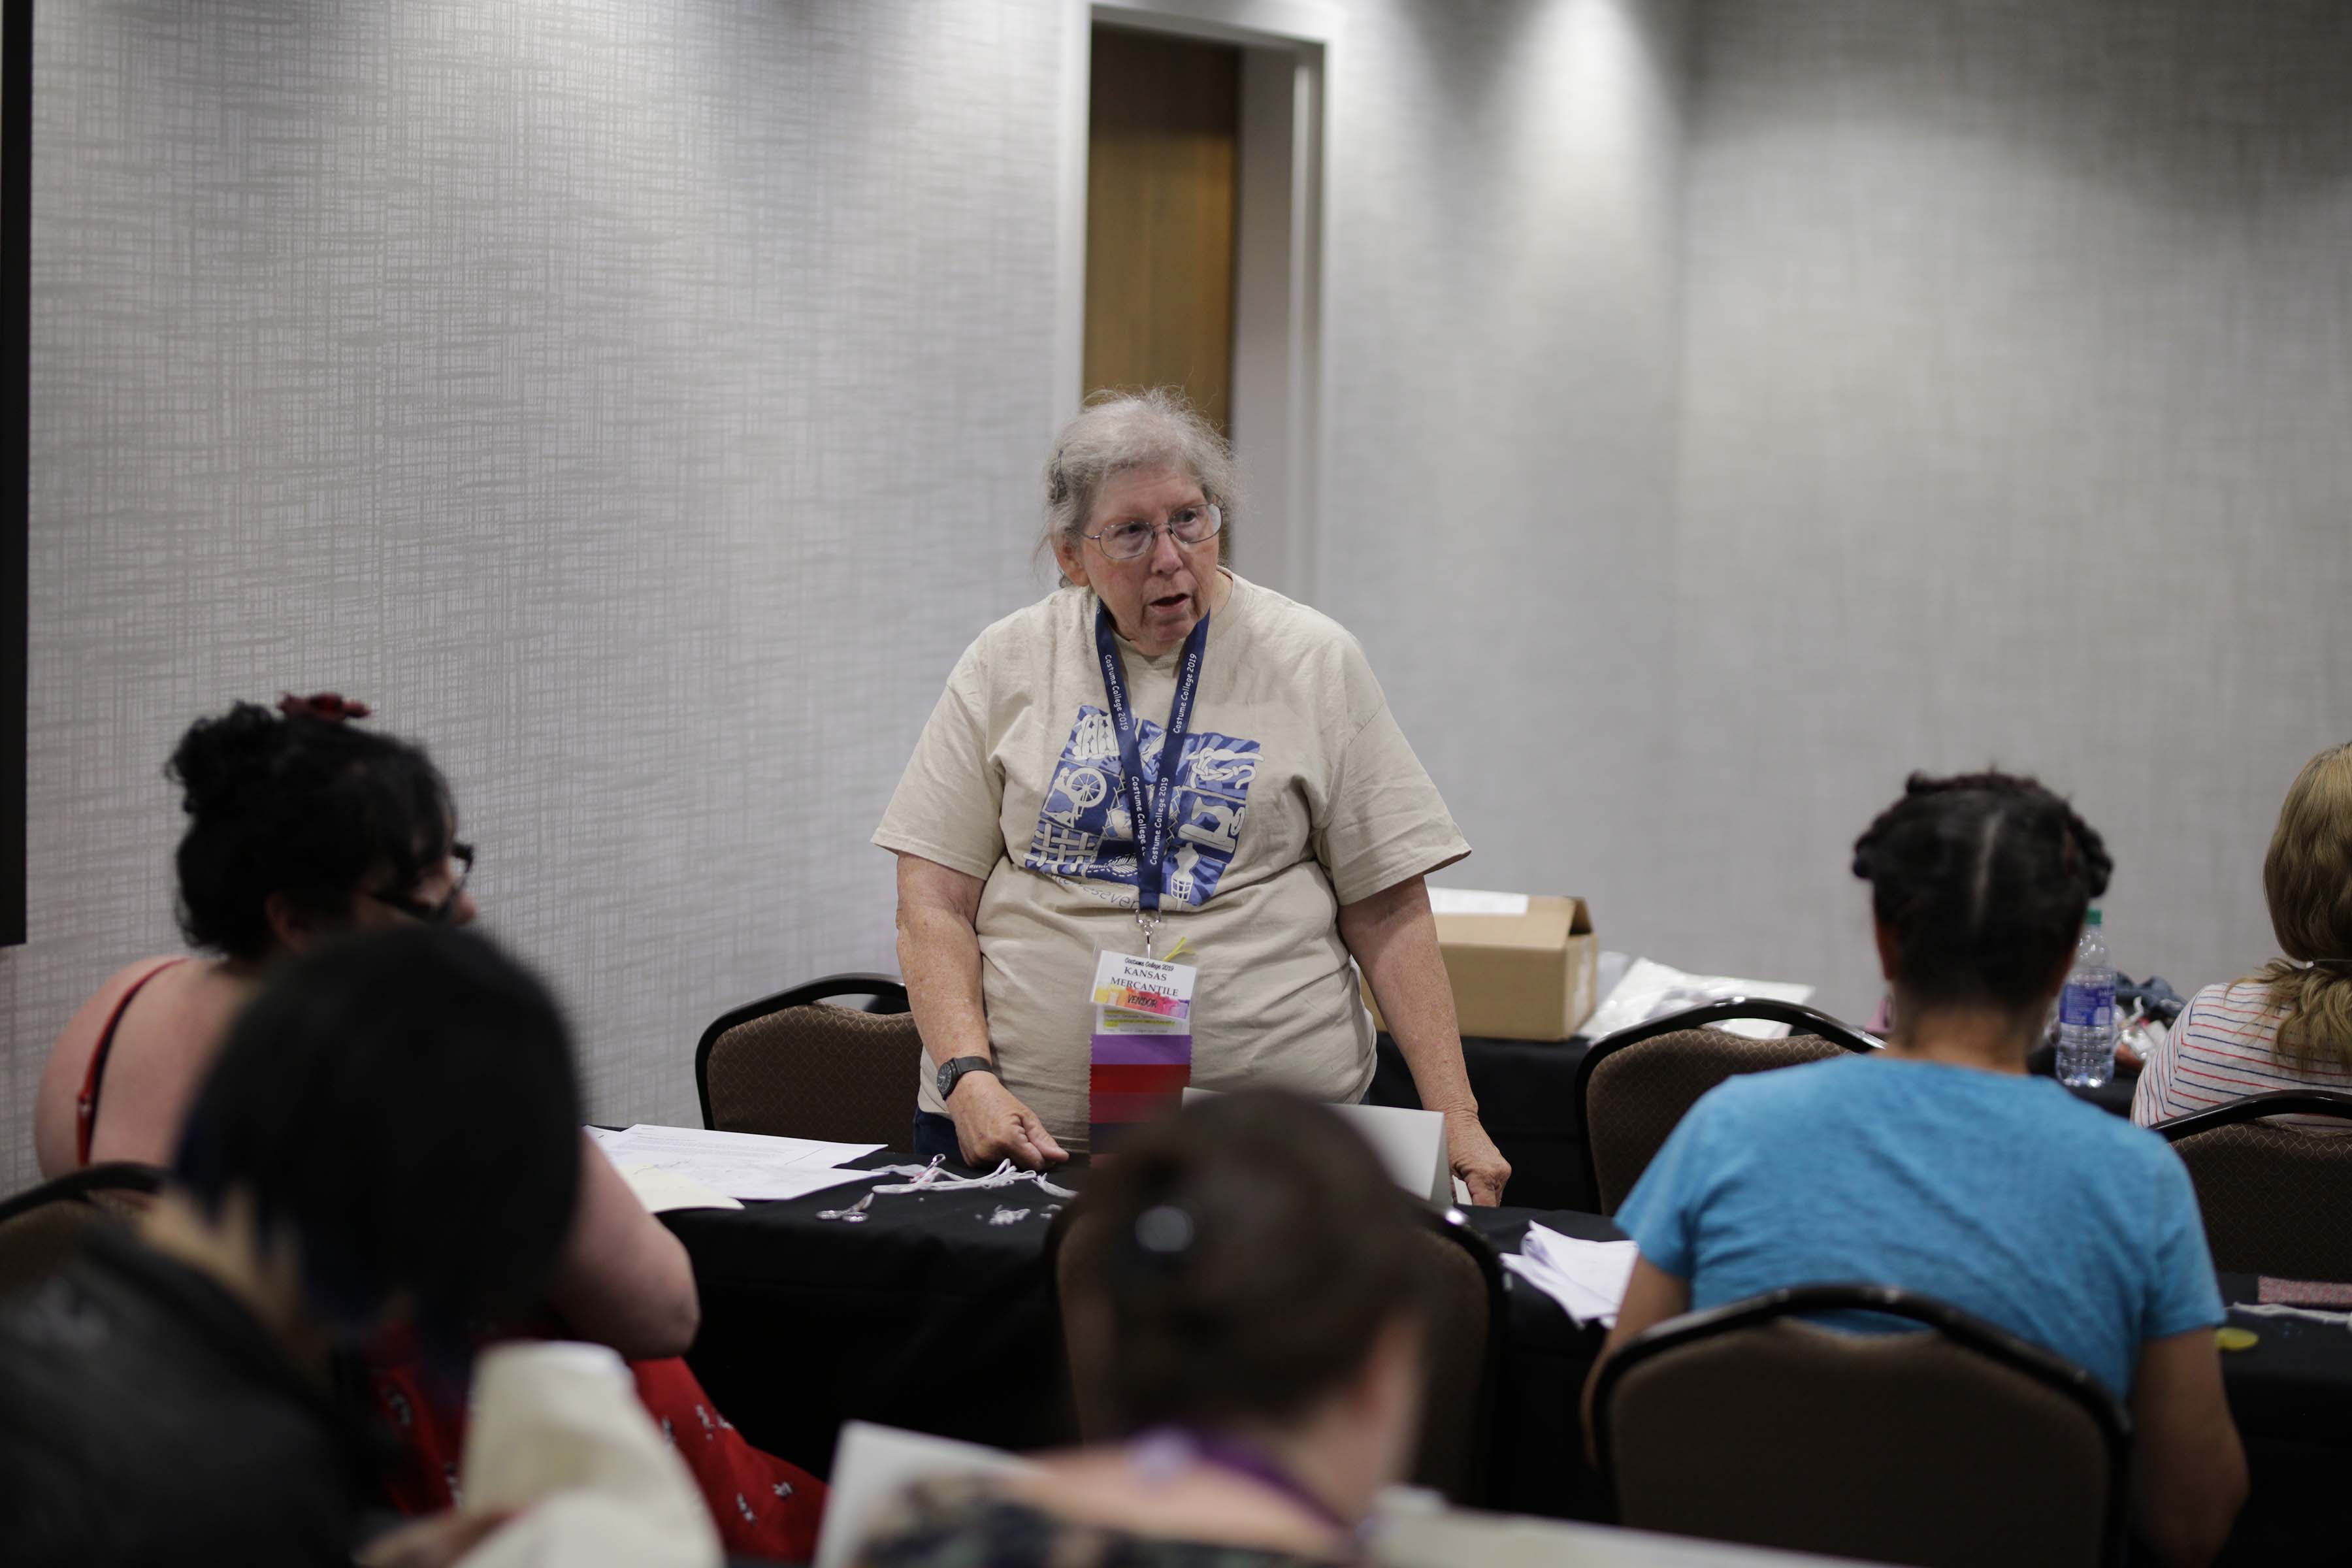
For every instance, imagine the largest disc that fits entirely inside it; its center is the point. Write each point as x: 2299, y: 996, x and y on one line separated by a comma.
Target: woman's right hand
x: 991, y: 1124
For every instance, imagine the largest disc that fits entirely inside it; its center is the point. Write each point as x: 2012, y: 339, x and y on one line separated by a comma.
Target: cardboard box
x: 1522, y: 966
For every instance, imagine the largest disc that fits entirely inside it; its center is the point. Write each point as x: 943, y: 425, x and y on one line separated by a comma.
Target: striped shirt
x: 2223, y: 1047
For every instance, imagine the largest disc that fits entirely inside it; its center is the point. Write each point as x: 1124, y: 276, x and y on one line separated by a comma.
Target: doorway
x: 1192, y: 192
x: 1163, y: 138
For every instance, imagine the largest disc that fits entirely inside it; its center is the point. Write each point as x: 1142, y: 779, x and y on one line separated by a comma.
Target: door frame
x: 1280, y: 258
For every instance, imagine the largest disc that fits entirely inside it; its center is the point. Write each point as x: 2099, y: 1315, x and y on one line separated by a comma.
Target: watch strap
x: 952, y: 1071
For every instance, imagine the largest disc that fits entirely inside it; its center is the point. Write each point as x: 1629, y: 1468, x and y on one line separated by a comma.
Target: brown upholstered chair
x: 1632, y: 1087
x: 42, y: 1229
x: 1960, y: 1446
x: 794, y: 1066
x: 1465, y: 1342
x: 2276, y: 1199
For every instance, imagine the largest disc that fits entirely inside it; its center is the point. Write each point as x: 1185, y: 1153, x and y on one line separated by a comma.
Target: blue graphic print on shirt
x: 1085, y: 831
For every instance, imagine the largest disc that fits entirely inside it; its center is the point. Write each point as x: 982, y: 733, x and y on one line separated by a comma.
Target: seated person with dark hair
x: 391, y: 1129
x: 1939, y: 1166
x: 1253, y: 1305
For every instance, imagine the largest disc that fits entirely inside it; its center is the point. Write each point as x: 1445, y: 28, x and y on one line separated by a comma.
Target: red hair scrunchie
x: 327, y: 706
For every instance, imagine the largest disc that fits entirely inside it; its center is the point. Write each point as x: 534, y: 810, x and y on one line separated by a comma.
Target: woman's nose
x: 1166, y: 559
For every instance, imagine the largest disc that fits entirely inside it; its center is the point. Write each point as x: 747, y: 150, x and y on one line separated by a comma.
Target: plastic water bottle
x: 2086, y: 1012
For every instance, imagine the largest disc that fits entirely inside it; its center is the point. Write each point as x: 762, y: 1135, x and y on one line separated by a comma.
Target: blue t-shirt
x: 2002, y: 1194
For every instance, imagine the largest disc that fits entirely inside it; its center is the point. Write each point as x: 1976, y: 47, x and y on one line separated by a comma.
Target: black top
x: 147, y: 1417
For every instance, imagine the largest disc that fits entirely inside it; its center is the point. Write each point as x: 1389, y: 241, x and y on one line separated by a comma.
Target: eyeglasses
x: 1187, y: 525
x: 437, y: 913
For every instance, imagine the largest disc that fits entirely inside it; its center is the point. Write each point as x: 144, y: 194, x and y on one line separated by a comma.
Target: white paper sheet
x: 1651, y: 990
x: 662, y: 1190
x: 1588, y: 1279
x: 735, y: 1165
x: 1471, y: 902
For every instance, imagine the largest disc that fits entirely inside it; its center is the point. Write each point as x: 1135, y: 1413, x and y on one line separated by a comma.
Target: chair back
x: 1960, y: 1445
x: 796, y: 1066
x: 1634, y: 1087
x: 1462, y: 1349
x: 2276, y: 1199
x: 42, y: 1229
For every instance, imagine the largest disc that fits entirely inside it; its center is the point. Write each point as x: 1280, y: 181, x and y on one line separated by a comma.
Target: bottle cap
x: 2092, y: 918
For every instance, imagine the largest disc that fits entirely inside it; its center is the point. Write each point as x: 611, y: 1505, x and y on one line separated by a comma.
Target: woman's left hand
x: 1475, y: 1158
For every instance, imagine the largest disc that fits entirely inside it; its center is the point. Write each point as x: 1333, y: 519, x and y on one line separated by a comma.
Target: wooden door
x: 1162, y: 144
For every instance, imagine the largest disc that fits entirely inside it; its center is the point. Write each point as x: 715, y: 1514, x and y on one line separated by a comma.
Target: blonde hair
x: 2308, y: 877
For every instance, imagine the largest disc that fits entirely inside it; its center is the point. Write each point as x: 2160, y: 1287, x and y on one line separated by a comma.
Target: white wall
x: 1499, y: 513
x: 637, y: 400
x: 641, y: 401
x: 2017, y: 389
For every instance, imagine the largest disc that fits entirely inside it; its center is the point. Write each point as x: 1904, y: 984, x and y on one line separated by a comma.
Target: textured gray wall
x: 638, y: 401
x: 2017, y: 428
x: 1499, y: 513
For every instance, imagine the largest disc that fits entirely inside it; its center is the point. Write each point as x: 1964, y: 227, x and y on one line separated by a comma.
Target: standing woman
x: 1157, y: 696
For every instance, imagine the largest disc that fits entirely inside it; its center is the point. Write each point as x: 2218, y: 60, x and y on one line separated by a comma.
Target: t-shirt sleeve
x: 1662, y: 1213
x: 1385, y: 821
x: 947, y: 803
x: 2182, y: 1293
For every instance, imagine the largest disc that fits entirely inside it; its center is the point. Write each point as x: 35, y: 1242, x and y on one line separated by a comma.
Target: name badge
x: 1141, y: 1059
x: 1144, y: 986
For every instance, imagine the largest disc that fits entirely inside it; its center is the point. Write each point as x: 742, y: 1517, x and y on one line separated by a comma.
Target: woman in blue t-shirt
x: 1939, y: 1166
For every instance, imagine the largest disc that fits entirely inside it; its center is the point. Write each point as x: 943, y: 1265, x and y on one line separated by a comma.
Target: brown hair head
x: 1251, y: 1248
x: 2307, y: 876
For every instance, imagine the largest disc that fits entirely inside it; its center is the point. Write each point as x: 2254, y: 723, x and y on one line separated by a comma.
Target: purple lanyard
x: 1235, y: 1458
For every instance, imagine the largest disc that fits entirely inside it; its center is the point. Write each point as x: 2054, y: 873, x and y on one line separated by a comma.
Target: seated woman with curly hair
x: 1938, y: 1166
x: 303, y: 829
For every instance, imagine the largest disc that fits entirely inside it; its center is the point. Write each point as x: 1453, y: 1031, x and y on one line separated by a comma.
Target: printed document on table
x: 738, y: 1164
x: 1588, y: 1279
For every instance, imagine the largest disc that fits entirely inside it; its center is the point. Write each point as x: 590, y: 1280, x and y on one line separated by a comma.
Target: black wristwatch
x: 952, y: 1072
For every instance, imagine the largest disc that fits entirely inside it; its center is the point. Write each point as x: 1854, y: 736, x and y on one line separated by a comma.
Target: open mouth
x: 1172, y: 602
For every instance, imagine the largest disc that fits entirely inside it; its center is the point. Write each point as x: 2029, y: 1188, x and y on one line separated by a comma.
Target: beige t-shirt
x: 1297, y: 793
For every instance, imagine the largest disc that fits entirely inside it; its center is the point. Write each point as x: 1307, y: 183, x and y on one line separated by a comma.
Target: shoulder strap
x: 86, y: 1107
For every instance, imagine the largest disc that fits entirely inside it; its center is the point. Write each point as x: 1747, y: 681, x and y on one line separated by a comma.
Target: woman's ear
x: 1889, y: 954
x: 296, y: 926
x: 1071, y: 559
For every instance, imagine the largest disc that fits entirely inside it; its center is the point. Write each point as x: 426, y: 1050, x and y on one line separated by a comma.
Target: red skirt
x: 762, y: 1506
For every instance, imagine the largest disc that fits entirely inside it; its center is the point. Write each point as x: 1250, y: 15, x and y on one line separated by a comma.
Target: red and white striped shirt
x: 2223, y: 1047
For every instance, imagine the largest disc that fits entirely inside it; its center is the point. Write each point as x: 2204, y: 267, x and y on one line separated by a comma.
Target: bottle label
x: 2087, y: 1007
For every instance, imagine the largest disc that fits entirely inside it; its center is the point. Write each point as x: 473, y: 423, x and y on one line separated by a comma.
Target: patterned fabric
x: 963, y: 1524
x: 762, y: 1506
x: 2275, y: 1200
x: 2223, y: 1047
x: 1639, y: 1093
x: 818, y: 1072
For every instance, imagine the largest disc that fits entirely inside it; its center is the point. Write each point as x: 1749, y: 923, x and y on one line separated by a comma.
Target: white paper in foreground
x: 735, y: 1165
x: 1651, y: 990
x: 1588, y: 1279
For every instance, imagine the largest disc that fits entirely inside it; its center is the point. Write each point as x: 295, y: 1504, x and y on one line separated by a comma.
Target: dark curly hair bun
x: 296, y: 801
x: 1983, y: 878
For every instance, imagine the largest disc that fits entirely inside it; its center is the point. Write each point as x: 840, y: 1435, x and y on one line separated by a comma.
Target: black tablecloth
x: 1527, y: 1097
x: 930, y: 1317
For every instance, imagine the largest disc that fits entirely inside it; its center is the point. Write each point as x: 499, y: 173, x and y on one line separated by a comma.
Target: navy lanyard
x: 1150, y: 809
